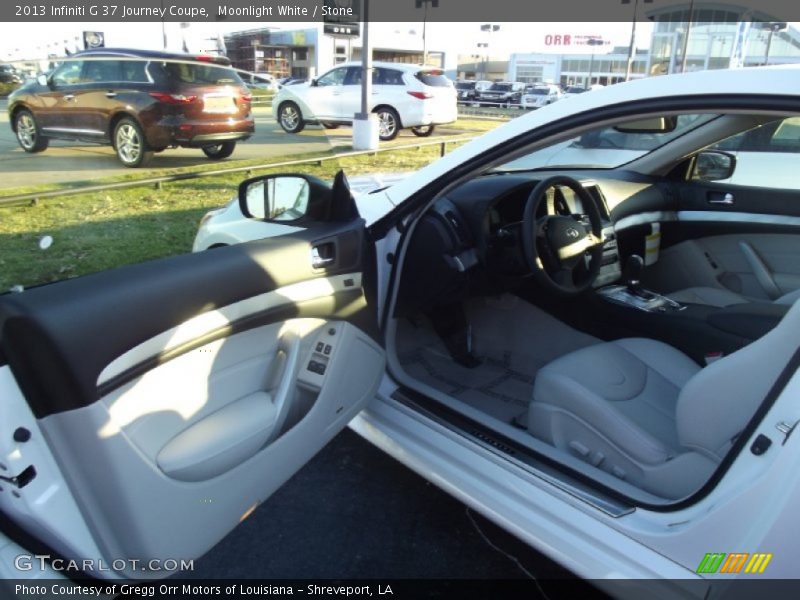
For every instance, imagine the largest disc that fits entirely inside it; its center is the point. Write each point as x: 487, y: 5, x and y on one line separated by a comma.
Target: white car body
x: 259, y: 81
x: 576, y: 90
x: 750, y: 509
x: 335, y: 96
x: 227, y: 225
x: 541, y: 96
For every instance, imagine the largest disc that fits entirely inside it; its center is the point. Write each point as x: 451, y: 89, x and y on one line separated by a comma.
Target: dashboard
x: 473, y: 235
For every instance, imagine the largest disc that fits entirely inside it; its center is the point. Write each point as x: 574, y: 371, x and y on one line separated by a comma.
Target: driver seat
x: 647, y: 414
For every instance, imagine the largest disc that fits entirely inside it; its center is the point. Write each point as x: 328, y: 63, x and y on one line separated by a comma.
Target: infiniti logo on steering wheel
x: 572, y: 233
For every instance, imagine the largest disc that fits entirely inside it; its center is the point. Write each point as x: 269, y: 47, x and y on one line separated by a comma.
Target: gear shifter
x: 631, y: 274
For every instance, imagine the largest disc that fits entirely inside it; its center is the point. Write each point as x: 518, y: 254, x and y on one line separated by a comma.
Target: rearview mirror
x: 713, y: 165
x: 274, y: 197
x: 649, y: 125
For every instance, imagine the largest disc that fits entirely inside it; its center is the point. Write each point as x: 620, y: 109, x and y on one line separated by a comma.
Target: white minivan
x: 403, y: 96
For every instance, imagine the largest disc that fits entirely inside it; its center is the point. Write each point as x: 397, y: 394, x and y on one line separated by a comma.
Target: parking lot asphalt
x: 356, y: 513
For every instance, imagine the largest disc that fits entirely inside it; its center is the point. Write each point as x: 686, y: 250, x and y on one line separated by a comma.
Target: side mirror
x: 282, y: 198
x: 43, y: 80
x: 313, y: 83
x: 713, y: 165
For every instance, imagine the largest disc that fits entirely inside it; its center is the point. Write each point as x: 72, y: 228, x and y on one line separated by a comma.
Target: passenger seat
x: 721, y: 297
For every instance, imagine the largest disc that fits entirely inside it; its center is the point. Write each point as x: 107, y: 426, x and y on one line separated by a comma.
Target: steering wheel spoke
x: 557, y: 246
x: 565, y: 277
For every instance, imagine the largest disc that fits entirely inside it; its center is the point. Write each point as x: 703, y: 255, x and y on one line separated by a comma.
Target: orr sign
x: 567, y: 39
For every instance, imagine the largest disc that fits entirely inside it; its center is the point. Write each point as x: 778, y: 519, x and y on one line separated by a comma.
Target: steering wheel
x: 563, y: 254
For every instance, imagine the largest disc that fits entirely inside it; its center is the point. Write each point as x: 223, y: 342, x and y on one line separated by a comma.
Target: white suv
x: 403, y: 96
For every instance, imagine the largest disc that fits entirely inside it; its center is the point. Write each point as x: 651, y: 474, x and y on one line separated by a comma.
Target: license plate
x: 219, y: 104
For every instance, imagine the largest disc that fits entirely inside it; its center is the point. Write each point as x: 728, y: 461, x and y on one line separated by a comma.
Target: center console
x: 633, y: 294
x: 698, y: 330
x: 610, y: 270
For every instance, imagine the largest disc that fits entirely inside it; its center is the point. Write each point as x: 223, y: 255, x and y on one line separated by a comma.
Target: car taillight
x: 173, y: 98
x: 421, y: 95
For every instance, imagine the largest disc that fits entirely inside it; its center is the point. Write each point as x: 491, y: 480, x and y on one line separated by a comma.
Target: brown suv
x: 138, y: 101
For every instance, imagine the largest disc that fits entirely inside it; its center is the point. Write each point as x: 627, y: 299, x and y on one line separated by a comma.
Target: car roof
x: 411, y: 68
x: 154, y: 54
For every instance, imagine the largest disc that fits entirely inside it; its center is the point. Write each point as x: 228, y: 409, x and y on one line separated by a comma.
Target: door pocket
x: 234, y: 433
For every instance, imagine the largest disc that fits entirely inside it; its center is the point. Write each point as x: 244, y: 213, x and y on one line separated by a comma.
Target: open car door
x: 147, y: 410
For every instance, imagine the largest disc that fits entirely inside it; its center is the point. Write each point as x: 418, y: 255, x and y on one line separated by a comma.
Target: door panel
x: 176, y: 395
x: 143, y: 509
x: 742, y: 238
x: 325, y: 98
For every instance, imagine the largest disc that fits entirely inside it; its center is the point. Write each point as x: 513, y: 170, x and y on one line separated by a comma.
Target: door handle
x: 323, y: 255
x: 110, y: 94
x: 336, y: 93
x: 287, y: 356
x: 69, y: 97
x: 714, y: 198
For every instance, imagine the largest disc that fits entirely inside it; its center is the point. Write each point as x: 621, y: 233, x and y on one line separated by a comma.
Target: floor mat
x: 513, y: 340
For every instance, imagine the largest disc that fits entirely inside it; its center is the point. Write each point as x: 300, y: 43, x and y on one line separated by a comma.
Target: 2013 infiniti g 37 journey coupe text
x: 518, y: 334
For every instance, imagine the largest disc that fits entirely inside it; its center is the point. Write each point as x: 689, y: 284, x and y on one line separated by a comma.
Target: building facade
x: 705, y: 36
x: 309, y: 52
x: 577, y: 69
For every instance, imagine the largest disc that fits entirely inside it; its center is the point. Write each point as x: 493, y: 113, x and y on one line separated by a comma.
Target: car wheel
x: 330, y: 125
x: 290, y: 118
x: 28, y: 134
x: 423, y: 130
x: 219, y: 151
x: 388, y: 123
x: 130, y: 144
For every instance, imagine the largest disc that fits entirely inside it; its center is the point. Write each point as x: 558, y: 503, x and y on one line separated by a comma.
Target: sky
x: 36, y: 40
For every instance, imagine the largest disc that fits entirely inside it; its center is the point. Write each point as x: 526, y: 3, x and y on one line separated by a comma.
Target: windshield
x: 538, y: 92
x: 501, y: 87
x: 465, y: 85
x: 603, y: 148
x: 575, y: 90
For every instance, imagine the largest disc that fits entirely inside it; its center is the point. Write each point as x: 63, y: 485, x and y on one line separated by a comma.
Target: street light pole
x: 421, y: 4
x: 163, y: 28
x: 686, y: 37
x: 592, y: 42
x: 366, y: 65
x: 631, y: 47
x: 425, y: 37
x: 365, y: 124
x: 488, y: 28
x: 773, y: 29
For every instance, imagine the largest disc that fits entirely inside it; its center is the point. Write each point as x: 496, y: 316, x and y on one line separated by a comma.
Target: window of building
x: 528, y: 73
